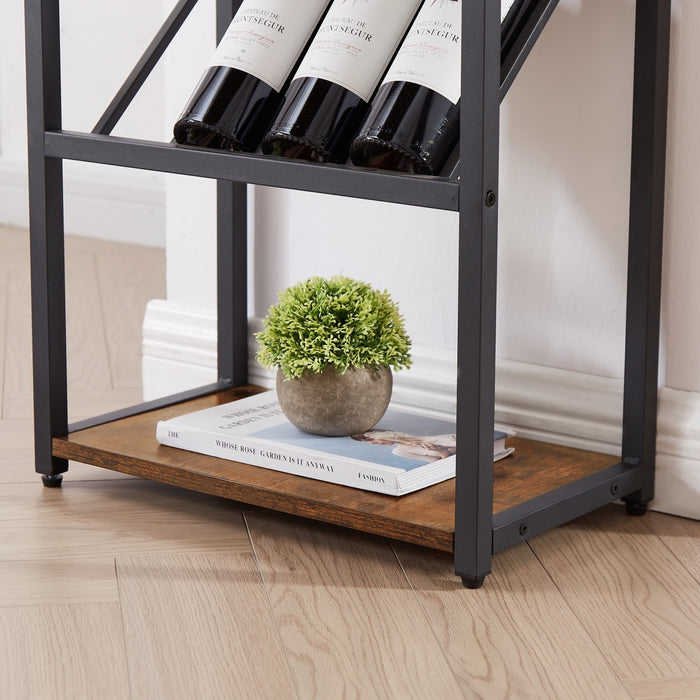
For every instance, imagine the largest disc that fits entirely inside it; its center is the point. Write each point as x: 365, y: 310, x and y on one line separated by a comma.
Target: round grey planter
x: 333, y: 404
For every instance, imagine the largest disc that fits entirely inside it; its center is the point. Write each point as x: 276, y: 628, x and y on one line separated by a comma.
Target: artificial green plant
x: 338, y: 321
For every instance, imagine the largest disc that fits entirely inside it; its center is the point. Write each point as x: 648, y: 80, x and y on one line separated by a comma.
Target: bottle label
x: 356, y: 41
x: 266, y: 37
x: 431, y: 53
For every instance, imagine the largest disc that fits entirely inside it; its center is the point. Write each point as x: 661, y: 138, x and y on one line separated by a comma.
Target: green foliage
x: 337, y: 321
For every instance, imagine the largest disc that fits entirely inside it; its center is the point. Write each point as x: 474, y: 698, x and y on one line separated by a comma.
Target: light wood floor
x: 113, y: 587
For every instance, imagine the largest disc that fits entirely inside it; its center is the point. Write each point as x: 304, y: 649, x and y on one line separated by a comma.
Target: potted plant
x: 334, y: 342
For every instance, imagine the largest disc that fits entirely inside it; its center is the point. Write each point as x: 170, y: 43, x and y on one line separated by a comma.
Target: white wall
x: 117, y: 32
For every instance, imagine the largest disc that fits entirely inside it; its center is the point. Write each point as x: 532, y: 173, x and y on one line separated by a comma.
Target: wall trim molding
x: 570, y: 408
x: 135, y: 204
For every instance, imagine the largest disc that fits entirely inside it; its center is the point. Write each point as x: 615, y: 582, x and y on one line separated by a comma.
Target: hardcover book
x: 404, y: 452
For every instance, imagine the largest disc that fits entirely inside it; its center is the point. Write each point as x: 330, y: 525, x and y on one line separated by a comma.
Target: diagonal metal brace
x: 143, y: 68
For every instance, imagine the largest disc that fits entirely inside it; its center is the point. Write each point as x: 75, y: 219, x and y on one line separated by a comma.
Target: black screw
x: 614, y: 488
x: 490, y: 198
x: 523, y: 529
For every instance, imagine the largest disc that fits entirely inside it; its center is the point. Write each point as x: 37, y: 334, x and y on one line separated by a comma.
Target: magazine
x: 404, y: 452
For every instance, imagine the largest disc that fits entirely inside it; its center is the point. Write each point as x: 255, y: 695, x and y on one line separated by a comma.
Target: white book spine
x: 345, y: 472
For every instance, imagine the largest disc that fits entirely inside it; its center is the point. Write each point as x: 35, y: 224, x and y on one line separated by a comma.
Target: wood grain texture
x: 82, y: 403
x: 14, y: 269
x: 17, y: 465
x: 129, y: 277
x: 107, y: 288
x: 70, y: 581
x: 628, y: 591
x: 682, y: 537
x: 86, y: 370
x: 63, y: 651
x: 18, y: 341
x: 537, y: 468
x: 665, y: 689
x: 425, y: 517
x: 350, y: 623
x: 4, y: 303
x: 98, y: 518
x: 514, y: 638
x: 16, y: 434
x: 199, y: 626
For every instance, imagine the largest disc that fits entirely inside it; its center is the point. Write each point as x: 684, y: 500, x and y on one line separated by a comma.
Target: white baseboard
x: 542, y: 403
x: 102, y: 205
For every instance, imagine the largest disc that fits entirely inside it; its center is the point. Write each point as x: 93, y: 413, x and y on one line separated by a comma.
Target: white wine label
x: 431, y: 53
x: 266, y: 37
x: 356, y: 41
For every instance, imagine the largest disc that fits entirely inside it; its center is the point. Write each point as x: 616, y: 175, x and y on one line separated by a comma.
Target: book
x: 406, y: 451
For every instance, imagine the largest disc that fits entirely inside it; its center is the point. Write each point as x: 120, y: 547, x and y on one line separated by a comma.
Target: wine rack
x: 487, y: 507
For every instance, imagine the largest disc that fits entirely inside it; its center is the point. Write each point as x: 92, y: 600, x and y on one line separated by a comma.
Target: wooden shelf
x: 425, y: 517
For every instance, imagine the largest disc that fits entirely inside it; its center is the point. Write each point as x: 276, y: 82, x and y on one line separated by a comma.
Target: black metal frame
x: 486, y: 76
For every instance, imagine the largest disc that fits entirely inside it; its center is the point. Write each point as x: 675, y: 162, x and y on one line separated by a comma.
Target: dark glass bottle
x: 237, y: 97
x: 413, y: 125
x: 331, y: 90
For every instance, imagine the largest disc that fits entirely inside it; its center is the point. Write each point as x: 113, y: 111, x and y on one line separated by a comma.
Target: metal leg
x: 46, y: 234
x: 651, y: 60
x: 478, y: 244
x: 232, y: 264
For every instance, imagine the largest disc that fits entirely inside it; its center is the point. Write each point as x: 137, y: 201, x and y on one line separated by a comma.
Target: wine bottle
x: 234, y: 102
x: 330, y: 92
x: 413, y: 123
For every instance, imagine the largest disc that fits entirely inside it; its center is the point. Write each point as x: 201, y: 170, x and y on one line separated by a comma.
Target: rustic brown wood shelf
x: 426, y: 517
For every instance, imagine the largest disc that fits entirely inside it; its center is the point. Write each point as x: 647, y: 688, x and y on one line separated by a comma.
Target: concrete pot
x: 333, y: 404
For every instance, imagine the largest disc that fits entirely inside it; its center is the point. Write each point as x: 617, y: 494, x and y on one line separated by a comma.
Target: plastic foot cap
x: 473, y: 581
x: 635, y: 508
x: 52, y: 481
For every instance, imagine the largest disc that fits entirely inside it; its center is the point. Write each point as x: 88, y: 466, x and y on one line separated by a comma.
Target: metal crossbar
x: 143, y: 68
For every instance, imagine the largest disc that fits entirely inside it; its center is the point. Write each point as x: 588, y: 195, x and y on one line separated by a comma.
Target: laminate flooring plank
x: 515, y: 637
x: 18, y: 338
x: 88, y: 358
x: 83, y: 403
x: 17, y: 467
x: 14, y: 241
x: 681, y: 536
x: 200, y: 626
x: 16, y: 434
x: 88, y: 366
x: 4, y: 304
x: 61, y: 652
x: 629, y: 591
x: 57, y: 581
x: 15, y: 339
x: 350, y: 623
x: 17, y: 459
x: 665, y: 689
x: 109, y: 518
x: 129, y: 277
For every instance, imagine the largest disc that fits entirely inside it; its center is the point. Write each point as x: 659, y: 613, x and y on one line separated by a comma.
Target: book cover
x: 404, y: 452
